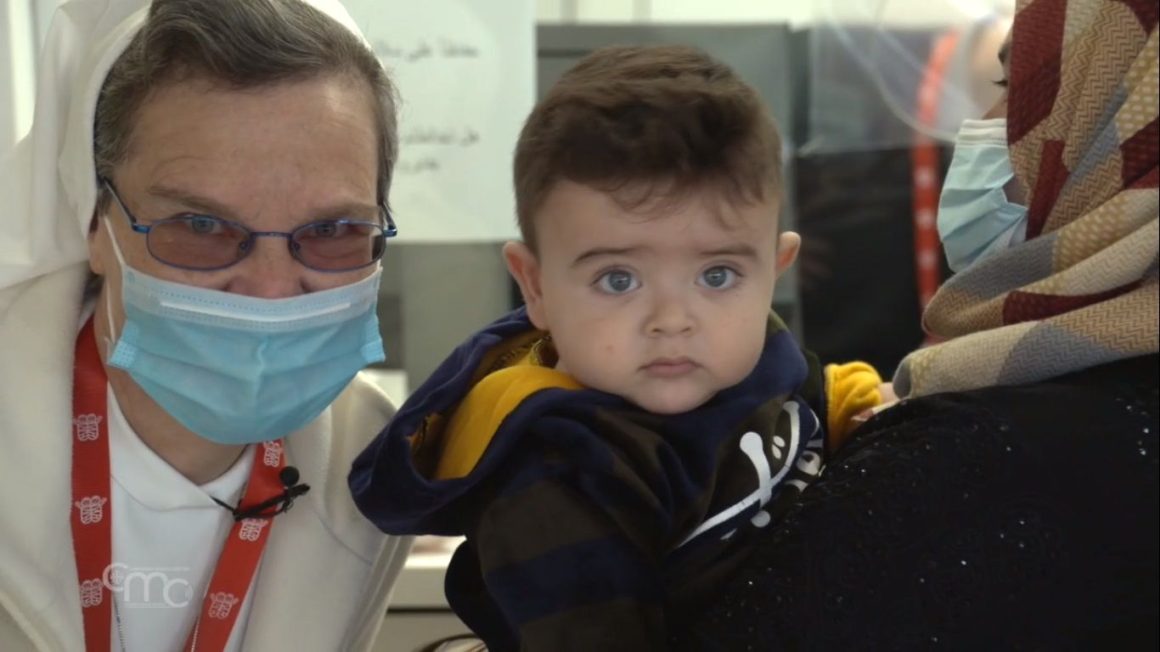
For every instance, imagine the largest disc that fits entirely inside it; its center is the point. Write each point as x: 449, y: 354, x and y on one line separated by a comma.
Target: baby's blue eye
x: 719, y: 278
x: 617, y: 281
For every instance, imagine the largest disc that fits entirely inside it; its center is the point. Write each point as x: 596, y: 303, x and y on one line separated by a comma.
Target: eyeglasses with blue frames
x: 208, y: 243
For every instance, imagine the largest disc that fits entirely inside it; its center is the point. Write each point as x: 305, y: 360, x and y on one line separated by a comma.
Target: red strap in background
x: 926, y: 177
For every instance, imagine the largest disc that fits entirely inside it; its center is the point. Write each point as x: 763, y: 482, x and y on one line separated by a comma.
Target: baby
x: 614, y: 448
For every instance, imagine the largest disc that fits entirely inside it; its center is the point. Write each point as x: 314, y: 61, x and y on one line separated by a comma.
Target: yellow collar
x: 485, y: 407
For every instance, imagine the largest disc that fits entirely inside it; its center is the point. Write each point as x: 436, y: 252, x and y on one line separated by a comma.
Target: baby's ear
x: 525, y: 269
x: 788, y: 245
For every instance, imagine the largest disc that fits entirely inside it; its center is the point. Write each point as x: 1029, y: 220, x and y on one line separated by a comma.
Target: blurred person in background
x: 1010, y: 501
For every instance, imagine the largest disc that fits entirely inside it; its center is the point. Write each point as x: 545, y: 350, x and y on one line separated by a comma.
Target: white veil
x: 48, y: 181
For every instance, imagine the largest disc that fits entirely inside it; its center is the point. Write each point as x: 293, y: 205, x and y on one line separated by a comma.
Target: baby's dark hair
x: 645, y: 123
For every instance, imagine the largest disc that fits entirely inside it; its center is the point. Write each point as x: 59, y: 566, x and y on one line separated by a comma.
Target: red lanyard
x: 927, y: 186
x: 92, y: 518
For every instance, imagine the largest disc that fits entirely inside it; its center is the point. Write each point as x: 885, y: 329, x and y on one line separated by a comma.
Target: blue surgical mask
x: 975, y: 220
x: 240, y: 370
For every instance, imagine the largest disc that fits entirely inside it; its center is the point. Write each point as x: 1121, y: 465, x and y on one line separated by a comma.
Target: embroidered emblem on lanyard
x: 92, y: 518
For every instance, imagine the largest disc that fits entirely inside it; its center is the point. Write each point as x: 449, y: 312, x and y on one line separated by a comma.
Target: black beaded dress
x: 1005, y: 518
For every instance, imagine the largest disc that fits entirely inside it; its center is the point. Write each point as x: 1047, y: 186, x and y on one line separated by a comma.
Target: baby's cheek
x: 605, y: 362
x: 745, y: 351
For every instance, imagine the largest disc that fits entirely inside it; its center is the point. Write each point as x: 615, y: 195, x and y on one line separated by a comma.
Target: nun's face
x: 272, y: 159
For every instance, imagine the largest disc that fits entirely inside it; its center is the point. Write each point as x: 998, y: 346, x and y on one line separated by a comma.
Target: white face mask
x: 975, y: 219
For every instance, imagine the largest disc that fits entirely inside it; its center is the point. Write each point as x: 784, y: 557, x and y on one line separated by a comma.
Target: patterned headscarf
x: 1082, y: 128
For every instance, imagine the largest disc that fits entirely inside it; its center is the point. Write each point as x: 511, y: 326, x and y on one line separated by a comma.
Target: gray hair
x: 241, y: 43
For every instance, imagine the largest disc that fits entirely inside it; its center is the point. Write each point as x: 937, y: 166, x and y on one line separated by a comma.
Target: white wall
x: 17, y: 50
x: 20, y: 20
x: 677, y: 11
x: 794, y: 12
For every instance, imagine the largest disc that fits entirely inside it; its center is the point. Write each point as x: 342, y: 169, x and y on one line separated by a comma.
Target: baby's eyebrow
x: 741, y: 249
x: 598, y: 252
